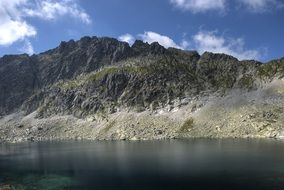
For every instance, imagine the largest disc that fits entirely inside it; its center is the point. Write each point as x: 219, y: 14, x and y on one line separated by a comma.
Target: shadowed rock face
x: 19, y: 79
x: 99, y: 74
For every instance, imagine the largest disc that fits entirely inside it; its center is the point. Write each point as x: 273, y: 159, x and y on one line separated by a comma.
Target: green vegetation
x: 79, y: 81
x: 111, y: 70
x: 100, y: 74
x: 68, y: 85
x: 71, y: 84
x: 187, y: 126
x: 224, y: 82
x: 267, y: 71
x: 246, y: 81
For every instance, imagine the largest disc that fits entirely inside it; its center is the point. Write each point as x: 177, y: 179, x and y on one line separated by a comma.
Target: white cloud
x: 256, y: 6
x: 202, y: 41
x: 165, y: 41
x: 127, y: 38
x: 13, y: 14
x: 27, y: 48
x: 184, y: 44
x: 197, y: 6
x: 12, y: 31
x: 51, y: 10
x: 12, y: 27
x: 262, y: 5
x: 209, y: 41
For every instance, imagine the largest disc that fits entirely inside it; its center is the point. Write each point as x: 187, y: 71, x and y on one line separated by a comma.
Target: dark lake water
x: 177, y: 164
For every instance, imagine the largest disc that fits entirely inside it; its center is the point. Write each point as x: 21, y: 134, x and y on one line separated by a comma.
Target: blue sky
x: 246, y: 29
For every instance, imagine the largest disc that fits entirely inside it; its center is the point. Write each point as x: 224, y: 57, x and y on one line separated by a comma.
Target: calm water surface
x: 178, y: 164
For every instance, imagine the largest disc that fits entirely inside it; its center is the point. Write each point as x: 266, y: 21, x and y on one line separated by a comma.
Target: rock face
x: 18, y: 75
x: 102, y: 76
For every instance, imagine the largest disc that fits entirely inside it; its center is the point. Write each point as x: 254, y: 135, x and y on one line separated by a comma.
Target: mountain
x: 101, y: 88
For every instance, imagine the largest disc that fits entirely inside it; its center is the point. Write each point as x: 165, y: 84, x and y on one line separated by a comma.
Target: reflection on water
x: 178, y: 164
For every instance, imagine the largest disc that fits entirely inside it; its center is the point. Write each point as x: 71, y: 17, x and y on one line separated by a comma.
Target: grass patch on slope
x: 186, y: 126
x: 94, y: 76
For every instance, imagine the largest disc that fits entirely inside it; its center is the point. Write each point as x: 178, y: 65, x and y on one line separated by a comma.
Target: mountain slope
x: 100, y: 78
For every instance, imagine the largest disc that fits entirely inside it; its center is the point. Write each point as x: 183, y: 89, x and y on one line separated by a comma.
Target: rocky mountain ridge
x: 101, y: 76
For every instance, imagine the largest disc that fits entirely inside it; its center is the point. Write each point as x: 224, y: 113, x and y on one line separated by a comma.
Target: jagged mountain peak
x: 138, y: 75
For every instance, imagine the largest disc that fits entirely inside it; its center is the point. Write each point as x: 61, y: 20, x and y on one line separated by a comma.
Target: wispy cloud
x: 201, y: 41
x: 203, y: 6
x: 27, y: 48
x: 127, y: 38
x: 197, y: 6
x: 51, y: 10
x: 14, y: 13
x: 165, y: 41
x: 210, y: 41
x: 260, y: 6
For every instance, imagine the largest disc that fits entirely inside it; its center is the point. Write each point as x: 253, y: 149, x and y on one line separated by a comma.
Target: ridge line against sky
x: 219, y: 26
